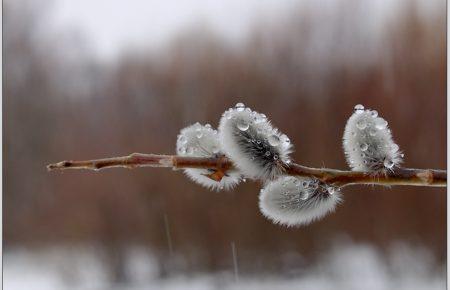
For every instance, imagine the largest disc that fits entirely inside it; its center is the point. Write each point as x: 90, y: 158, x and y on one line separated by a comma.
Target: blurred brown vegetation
x: 60, y: 103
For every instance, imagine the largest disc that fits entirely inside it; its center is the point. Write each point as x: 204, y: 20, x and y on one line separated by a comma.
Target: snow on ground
x: 342, y: 267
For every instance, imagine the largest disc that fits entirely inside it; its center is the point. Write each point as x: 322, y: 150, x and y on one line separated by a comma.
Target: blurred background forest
x: 305, y: 69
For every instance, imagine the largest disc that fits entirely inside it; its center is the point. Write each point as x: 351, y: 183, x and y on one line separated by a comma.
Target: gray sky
x: 112, y: 25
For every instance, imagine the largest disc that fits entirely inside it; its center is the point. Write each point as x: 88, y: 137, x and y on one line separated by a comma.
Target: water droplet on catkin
x: 240, y: 107
x: 274, y: 140
x: 304, y: 195
x: 182, y: 139
x: 359, y: 108
x: 331, y: 190
x: 394, y: 148
x: 361, y: 125
x: 243, y: 126
x: 381, y: 124
x: 363, y: 146
x: 388, y: 164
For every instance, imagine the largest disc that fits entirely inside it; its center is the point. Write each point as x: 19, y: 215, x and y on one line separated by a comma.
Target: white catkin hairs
x: 255, y: 147
x: 293, y: 201
x: 368, y: 143
x: 203, y: 141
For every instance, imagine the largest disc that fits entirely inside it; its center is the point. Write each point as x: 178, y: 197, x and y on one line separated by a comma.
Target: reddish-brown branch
x: 400, y: 176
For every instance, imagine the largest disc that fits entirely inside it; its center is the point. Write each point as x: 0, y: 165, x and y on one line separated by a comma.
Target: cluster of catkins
x: 260, y: 151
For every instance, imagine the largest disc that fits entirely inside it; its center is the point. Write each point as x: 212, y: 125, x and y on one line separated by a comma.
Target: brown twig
x: 400, y: 176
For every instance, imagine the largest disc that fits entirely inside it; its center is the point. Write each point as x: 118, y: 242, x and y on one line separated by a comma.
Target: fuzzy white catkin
x: 294, y: 201
x: 203, y: 141
x: 254, y: 146
x: 368, y: 143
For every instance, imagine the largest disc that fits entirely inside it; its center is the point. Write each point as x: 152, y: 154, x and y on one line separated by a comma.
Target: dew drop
x: 208, y: 126
x: 286, y: 139
x: 363, y: 146
x: 267, y: 153
x: 388, y: 163
x: 275, y: 157
x: 182, y: 139
x: 258, y: 120
x: 274, y: 140
x: 288, y: 161
x: 331, y: 190
x: 394, y: 148
x: 373, y: 132
x: 359, y: 108
x: 305, y: 184
x: 374, y: 114
x: 304, y: 195
x: 240, y: 107
x: 199, y: 134
x: 402, y: 155
x: 381, y: 124
x: 243, y: 126
x: 361, y: 125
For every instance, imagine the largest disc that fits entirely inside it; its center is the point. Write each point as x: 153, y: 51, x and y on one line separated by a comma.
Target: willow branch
x: 400, y: 176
